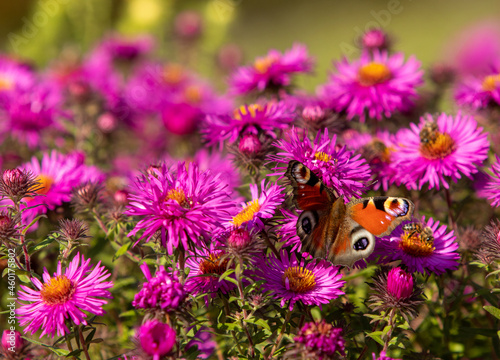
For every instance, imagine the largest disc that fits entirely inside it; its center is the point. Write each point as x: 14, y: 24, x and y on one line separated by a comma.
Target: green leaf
x: 122, y: 250
x: 376, y: 335
x: 128, y: 313
x: 90, y: 336
x: 57, y: 351
x: 493, y: 311
x: 42, y: 244
x: 259, y: 322
x: 35, y: 220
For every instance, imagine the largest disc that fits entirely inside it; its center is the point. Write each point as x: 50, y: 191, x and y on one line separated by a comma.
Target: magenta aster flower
x: 438, y: 149
x: 31, y: 112
x: 163, y: 291
x: 382, y: 356
x: 378, y: 152
x: 58, y: 174
x: 260, y: 207
x: 156, y: 339
x: 427, y: 249
x: 273, y: 70
x: 206, y: 267
x: 375, y: 85
x: 119, y: 47
x: 399, y: 283
x: 248, y: 119
x: 479, y: 92
x: 336, y: 166
x: 68, y: 294
x: 288, y: 230
x: 312, y: 283
x: 492, y: 188
x: 321, y: 339
x: 375, y: 39
x: 14, y: 76
x: 180, y: 202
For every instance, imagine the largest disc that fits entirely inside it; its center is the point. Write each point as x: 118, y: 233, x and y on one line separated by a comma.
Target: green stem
x: 389, y: 334
x: 282, y: 332
x: 245, y: 315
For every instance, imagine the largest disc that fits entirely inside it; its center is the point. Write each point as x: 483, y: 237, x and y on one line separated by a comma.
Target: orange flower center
x: 173, y: 74
x: 435, y: 145
x: 6, y: 84
x: 247, y: 213
x: 177, y: 195
x: 262, y: 64
x: 45, y: 183
x: 321, y: 156
x: 193, y: 94
x: 299, y: 279
x: 373, y: 73
x: 491, y: 82
x: 416, y: 244
x: 57, y: 291
x: 214, y: 265
x: 245, y: 110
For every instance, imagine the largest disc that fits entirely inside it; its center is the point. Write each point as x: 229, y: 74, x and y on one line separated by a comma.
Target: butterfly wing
x: 314, y: 226
x: 364, y: 219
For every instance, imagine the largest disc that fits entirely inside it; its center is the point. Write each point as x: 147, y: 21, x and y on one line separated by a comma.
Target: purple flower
x: 260, y: 207
x: 248, y: 119
x: 492, y: 187
x: 383, y: 356
x: 206, y: 267
x: 437, y: 149
x: 429, y: 249
x: 204, y: 342
x: 321, y: 339
x: 312, y: 283
x: 31, y: 112
x: 272, y: 70
x: 58, y: 175
x: 119, y: 47
x: 163, y: 291
x: 478, y: 92
x: 156, y: 338
x: 288, y: 230
x: 375, y: 39
x: 339, y: 169
x: 180, y: 202
x: 68, y: 294
x: 375, y: 85
x: 12, y: 343
x: 14, y: 76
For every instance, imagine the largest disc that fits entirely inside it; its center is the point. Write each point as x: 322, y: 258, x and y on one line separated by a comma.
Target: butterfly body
x: 342, y: 233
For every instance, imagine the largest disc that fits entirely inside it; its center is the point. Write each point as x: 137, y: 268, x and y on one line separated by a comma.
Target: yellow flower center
x: 262, y: 64
x: 299, y: 279
x: 245, y: 110
x: 214, y: 265
x: 177, y: 195
x: 491, y: 82
x: 322, y: 156
x: 57, y: 291
x: 247, y: 213
x: 173, y: 74
x: 373, y: 73
x: 45, y: 183
x: 6, y: 84
x: 416, y: 244
x: 193, y: 94
x: 434, y: 144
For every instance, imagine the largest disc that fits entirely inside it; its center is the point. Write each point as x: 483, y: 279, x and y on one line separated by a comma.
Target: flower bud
x: 17, y: 184
x: 399, y: 283
x: 12, y: 341
x: 250, y: 144
x: 313, y: 113
x: 375, y: 39
x: 188, y: 25
x: 239, y: 239
x: 156, y: 339
x: 107, y: 122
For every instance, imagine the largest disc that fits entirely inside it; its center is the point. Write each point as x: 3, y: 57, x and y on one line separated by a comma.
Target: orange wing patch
x: 380, y: 215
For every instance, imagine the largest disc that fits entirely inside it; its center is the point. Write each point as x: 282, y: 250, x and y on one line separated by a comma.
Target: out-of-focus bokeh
x: 40, y: 30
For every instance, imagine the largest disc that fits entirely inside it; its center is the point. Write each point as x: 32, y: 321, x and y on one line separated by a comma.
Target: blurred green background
x: 39, y: 30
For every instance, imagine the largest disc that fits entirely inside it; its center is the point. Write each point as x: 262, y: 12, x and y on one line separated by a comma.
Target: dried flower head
x: 86, y: 196
x: 17, y: 184
x: 73, y: 230
x: 489, y: 249
x: 395, y: 290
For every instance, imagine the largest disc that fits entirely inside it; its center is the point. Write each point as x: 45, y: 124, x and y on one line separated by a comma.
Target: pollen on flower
x: 6, y: 84
x: 299, y: 279
x: 247, y: 213
x: 57, y: 291
x: 321, y: 156
x: 262, y: 64
x: 373, y: 73
x: 45, y: 183
x: 193, y: 94
x: 177, y: 195
x: 173, y: 74
x: 213, y: 264
x: 491, y: 82
x: 245, y: 110
x: 416, y: 244
x: 438, y: 146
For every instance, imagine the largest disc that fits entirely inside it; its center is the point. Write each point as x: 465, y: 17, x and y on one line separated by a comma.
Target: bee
x: 375, y: 152
x: 425, y: 233
x: 429, y: 133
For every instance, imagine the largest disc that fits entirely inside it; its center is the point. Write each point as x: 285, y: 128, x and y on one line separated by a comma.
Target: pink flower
x: 156, y: 339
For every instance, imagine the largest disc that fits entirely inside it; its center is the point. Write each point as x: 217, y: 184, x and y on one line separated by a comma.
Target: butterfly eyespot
x: 306, y: 225
x: 361, y: 244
